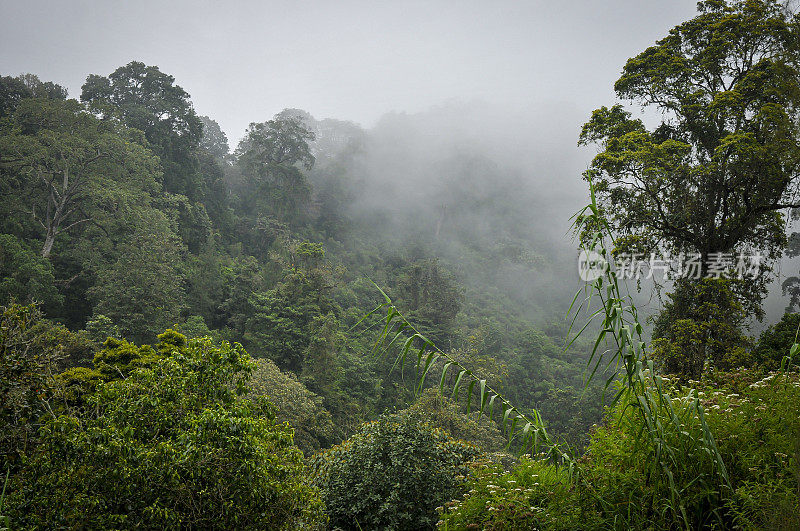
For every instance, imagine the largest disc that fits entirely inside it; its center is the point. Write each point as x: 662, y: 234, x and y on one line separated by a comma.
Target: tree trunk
x: 48, y: 243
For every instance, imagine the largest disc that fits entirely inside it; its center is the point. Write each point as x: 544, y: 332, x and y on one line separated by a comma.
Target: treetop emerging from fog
x: 712, y: 176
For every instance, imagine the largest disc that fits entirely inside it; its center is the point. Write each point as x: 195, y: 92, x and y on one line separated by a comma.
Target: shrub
x: 295, y: 404
x: 392, y: 474
x: 533, y: 495
x: 776, y: 342
x: 756, y: 419
x: 26, y: 364
x: 756, y: 423
x: 441, y: 412
x: 170, y: 445
x: 117, y: 359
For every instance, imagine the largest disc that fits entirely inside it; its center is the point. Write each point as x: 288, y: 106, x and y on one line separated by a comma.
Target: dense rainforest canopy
x: 186, y: 338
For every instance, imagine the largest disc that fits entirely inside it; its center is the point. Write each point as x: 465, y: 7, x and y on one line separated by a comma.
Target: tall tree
x: 714, y: 175
x: 214, y: 140
x: 58, y: 158
x: 42, y: 89
x: 432, y: 296
x: 142, y: 290
x: 214, y: 158
x: 296, y: 320
x: 12, y: 91
x: 271, y: 157
x: 147, y: 99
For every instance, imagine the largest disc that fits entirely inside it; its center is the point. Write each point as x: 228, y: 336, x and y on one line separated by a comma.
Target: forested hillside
x: 126, y: 214
x: 188, y: 338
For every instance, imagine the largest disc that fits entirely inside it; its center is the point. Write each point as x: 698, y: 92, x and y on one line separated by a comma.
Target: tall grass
x: 675, y: 437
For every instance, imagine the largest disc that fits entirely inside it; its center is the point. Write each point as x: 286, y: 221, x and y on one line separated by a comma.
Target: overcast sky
x: 244, y: 61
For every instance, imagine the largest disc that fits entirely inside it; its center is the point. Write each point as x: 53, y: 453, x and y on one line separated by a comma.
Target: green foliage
x: 147, y: 99
x: 241, y: 278
x: 431, y: 297
x: 322, y: 369
x: 32, y: 350
x: 4, y: 520
x: 119, y: 358
x: 700, y: 324
x: 674, y: 464
x: 26, y: 365
x: 75, y: 384
x: 758, y: 433
x: 25, y: 276
x: 101, y: 327
x: 439, y: 411
x: 42, y: 89
x: 409, y: 346
x: 12, y: 91
x: 728, y: 83
x: 534, y: 494
x: 168, y: 232
x: 630, y: 487
x: 142, y: 291
x: 116, y: 359
x: 62, y: 164
x: 189, y: 220
x: 392, y: 474
x: 265, y: 249
x: 194, y: 326
x: 295, y: 404
x: 552, y: 379
x: 169, y: 445
x: 666, y: 433
x: 214, y: 140
x: 776, y: 342
x: 756, y: 428
x: 270, y: 158
x: 756, y: 419
x: 714, y: 175
x: 215, y: 191
x: 74, y: 348
x: 282, y: 321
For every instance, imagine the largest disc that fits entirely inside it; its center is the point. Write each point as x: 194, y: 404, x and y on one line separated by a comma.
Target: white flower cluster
x: 763, y: 382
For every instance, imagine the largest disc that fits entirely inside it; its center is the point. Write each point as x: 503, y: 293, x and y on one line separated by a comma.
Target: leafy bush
x: 117, y: 359
x: 776, y: 342
x: 27, y: 361
x: 617, y: 484
x: 627, y: 485
x: 170, y: 445
x: 295, y: 404
x: 756, y: 419
x: 535, y: 494
x: 392, y: 474
x: 439, y: 411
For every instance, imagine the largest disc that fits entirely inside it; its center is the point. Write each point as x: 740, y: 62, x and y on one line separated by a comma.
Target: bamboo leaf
x: 444, y: 374
x: 432, y: 357
x: 469, y: 394
x: 457, y: 385
x: 401, y: 359
x: 491, y: 406
x: 506, y: 414
x: 482, y: 396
